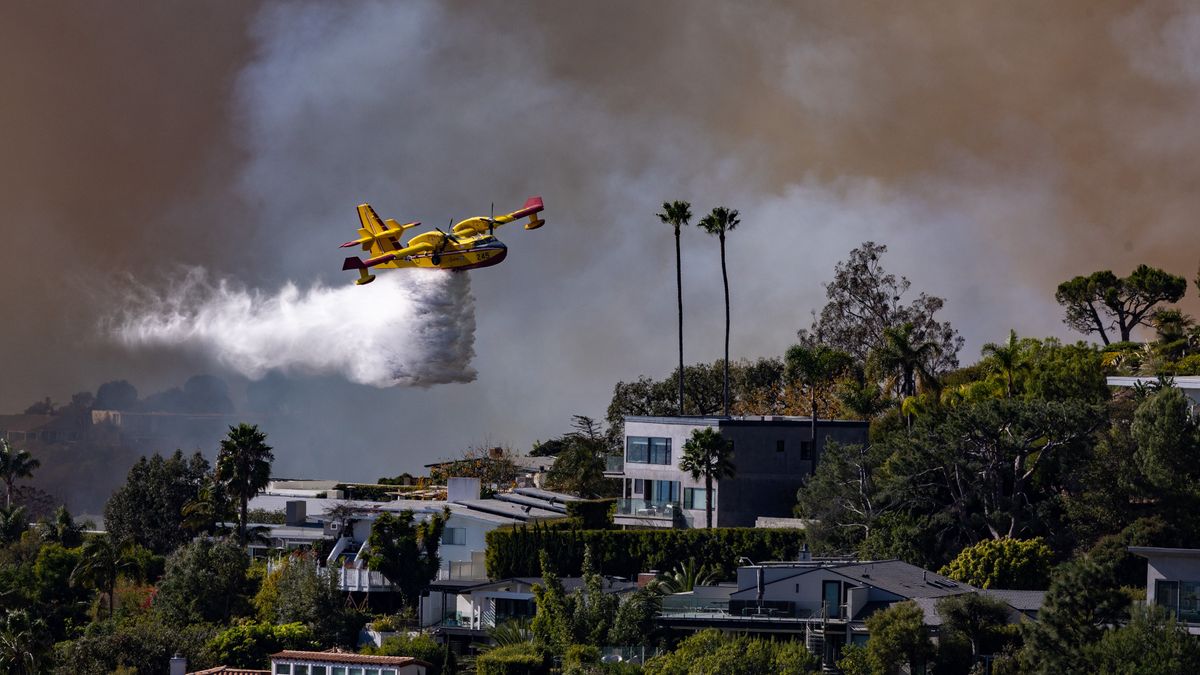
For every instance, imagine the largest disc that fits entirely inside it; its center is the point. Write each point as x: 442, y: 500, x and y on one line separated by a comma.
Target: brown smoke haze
x: 996, y: 148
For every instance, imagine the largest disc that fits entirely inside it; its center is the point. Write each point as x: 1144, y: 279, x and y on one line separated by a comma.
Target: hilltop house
x: 773, y: 455
x: 824, y: 601
x: 1173, y: 582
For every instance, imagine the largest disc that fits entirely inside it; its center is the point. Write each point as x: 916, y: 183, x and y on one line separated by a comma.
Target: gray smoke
x: 405, y: 329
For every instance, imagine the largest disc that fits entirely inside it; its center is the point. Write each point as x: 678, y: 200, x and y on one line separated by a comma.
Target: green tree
x: 709, y: 454
x: 720, y: 221
x: 14, y: 465
x: 579, y: 467
x: 864, y: 299
x: 899, y: 639
x: 63, y: 529
x: 148, y: 508
x: 1021, y: 564
x: 297, y: 591
x: 979, y: 619
x: 1082, y: 600
x: 816, y: 367
x: 552, y: 625
x: 1006, y: 359
x: 25, y: 643
x: 711, y: 651
x: 102, y: 560
x: 406, y: 552
x: 843, y: 500
x: 1152, y: 643
x: 204, y: 581
x: 906, y: 360
x: 143, y: 643
x: 634, y: 623
x: 419, y: 646
x: 1168, y: 440
x: 1101, y: 302
x: 13, y: 523
x: 244, y: 467
x: 678, y: 214
x: 686, y: 576
x: 250, y: 644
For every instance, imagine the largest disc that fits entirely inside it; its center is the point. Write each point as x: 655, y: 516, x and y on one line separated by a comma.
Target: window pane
x: 356, y: 671
x: 318, y: 670
x: 283, y: 669
x: 337, y: 670
x: 638, y: 449
x: 299, y: 670
x: 660, y: 451
x: 372, y: 671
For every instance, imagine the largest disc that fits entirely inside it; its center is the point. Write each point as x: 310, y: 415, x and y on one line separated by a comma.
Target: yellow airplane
x: 469, y: 244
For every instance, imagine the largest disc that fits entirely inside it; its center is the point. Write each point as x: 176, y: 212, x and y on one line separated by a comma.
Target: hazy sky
x: 996, y: 148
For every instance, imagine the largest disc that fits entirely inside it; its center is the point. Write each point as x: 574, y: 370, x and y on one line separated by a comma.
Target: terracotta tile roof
x: 226, y: 670
x: 348, y: 657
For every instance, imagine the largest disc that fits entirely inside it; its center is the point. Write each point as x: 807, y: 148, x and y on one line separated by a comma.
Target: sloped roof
x: 1024, y: 601
x: 229, y: 670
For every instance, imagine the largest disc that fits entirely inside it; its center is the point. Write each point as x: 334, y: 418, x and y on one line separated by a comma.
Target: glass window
x: 1189, y: 601
x: 299, y: 670
x: 372, y: 671
x: 318, y: 670
x: 283, y: 669
x: 663, y: 491
x: 693, y: 498
x: 639, y: 487
x: 387, y: 671
x: 1166, y: 594
x: 806, y: 450
x: 356, y: 671
x: 454, y: 536
x: 337, y: 670
x: 660, y: 451
x: 637, y: 449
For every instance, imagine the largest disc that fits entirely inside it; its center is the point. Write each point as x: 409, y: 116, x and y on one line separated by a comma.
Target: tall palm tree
x: 678, y: 214
x: 1006, y: 359
x: 707, y: 453
x: 815, y: 367
x: 13, y: 523
x: 14, y: 464
x: 720, y: 221
x: 24, y: 643
x: 244, y: 467
x: 100, y: 563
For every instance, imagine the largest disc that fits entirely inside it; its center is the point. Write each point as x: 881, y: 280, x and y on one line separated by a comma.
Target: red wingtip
x: 533, y: 203
x: 355, y: 263
x: 349, y: 244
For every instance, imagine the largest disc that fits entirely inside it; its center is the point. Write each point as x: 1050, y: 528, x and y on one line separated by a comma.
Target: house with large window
x: 772, y: 456
x: 291, y: 662
x: 1173, y: 581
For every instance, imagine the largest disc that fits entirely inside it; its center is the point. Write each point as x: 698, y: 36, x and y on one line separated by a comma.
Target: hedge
x: 519, y: 659
x: 513, y: 552
x: 592, y: 514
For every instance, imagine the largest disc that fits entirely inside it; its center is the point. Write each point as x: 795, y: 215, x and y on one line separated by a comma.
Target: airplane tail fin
x: 377, y: 236
x: 533, y: 206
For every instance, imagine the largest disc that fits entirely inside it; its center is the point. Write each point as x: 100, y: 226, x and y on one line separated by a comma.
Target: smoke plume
x: 402, y: 330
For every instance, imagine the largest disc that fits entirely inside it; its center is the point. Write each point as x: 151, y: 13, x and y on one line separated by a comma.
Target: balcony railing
x: 614, y: 464
x: 663, y: 513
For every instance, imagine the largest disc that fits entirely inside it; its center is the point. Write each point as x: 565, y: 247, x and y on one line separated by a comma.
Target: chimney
x: 295, y: 515
x: 178, y: 665
x: 462, y: 489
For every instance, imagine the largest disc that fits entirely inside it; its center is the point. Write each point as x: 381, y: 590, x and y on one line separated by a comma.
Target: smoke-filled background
x: 996, y: 148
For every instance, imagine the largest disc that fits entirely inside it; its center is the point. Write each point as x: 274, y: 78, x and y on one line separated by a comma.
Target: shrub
x: 627, y: 552
x: 578, y: 656
x: 512, y: 660
x: 592, y: 514
x: 250, y: 645
x: 1021, y: 564
x: 421, y: 647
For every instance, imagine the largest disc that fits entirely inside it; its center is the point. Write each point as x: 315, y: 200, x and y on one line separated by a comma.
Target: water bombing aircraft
x: 470, y: 244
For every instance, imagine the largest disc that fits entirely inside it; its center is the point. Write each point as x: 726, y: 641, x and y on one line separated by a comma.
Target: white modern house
x: 1190, y: 384
x: 772, y: 456
x: 291, y: 662
x: 343, y: 527
x: 1173, y: 581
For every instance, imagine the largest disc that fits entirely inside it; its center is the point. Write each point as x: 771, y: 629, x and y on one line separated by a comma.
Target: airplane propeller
x: 492, y: 221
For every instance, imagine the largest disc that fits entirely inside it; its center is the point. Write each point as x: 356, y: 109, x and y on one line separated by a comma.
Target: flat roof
x: 746, y: 421
x: 1181, y: 381
x: 1164, y: 551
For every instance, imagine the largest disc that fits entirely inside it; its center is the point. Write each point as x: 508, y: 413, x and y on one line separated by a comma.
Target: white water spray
x: 405, y: 329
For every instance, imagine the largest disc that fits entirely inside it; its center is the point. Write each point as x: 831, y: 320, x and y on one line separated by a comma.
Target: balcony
x: 614, y: 465
x: 652, y: 513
